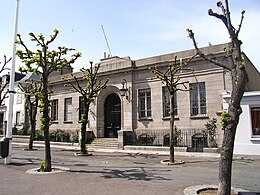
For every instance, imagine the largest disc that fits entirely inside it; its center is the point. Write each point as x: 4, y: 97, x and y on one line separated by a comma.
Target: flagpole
x: 11, y: 90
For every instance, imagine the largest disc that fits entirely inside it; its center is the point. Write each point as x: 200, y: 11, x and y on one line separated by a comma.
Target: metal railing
x: 184, y: 138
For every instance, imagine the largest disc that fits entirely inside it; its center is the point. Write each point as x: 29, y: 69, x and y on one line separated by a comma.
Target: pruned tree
x: 31, y: 90
x: 236, y: 66
x: 43, y: 62
x: 89, y: 92
x: 173, y: 82
x: 3, y: 90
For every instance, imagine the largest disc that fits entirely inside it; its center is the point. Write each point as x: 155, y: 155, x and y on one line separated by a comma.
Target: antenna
x: 106, y: 40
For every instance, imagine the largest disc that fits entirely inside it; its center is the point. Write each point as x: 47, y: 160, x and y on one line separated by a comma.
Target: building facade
x: 135, y: 102
x: 18, y: 107
x: 248, y: 130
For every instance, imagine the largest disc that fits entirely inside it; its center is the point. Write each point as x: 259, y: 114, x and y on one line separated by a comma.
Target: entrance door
x: 112, y: 115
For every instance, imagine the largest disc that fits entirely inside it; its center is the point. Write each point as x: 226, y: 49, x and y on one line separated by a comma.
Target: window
x: 54, y: 110
x: 167, y: 102
x: 68, y: 109
x: 18, y: 118
x: 198, y: 99
x: 255, y: 116
x: 19, y: 97
x: 145, y: 103
x: 81, y: 107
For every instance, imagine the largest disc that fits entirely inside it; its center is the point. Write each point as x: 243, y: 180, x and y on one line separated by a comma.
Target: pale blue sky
x: 135, y: 28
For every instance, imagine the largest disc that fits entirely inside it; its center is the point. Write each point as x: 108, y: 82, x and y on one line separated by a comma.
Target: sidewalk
x: 127, y: 149
x: 112, y: 171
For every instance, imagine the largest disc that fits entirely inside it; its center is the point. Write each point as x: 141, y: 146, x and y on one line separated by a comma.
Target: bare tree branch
x: 202, y: 55
x: 5, y: 63
x: 239, y: 78
x: 241, y: 21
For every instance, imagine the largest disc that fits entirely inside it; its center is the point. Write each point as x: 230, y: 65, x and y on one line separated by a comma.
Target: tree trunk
x: 45, y: 124
x: 45, y: 121
x: 33, y: 113
x: 172, y: 132
x: 225, y: 163
x: 234, y: 110
x: 47, y: 150
x: 32, y: 134
x: 84, y: 122
x: 26, y: 114
x: 83, y: 135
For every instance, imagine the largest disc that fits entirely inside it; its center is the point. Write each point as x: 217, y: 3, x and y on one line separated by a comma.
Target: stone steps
x: 97, y: 143
x: 104, y: 143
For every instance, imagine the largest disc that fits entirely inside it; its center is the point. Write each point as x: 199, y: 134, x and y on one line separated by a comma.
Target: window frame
x: 145, y: 105
x: 198, y: 99
x: 166, y: 102
x: 68, y: 110
x: 255, y: 124
x: 18, y: 116
x: 54, y: 112
x: 19, y: 97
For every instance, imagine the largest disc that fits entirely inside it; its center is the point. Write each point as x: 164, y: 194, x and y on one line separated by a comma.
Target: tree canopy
x: 43, y: 61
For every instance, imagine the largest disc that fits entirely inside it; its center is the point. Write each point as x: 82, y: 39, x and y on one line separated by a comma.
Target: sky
x: 135, y: 28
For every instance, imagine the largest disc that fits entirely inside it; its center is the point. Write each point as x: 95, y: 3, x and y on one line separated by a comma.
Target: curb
x: 135, y: 151
x: 56, y: 169
x: 193, y: 190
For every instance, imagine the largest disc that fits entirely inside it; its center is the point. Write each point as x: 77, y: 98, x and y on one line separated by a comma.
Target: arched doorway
x: 112, y: 115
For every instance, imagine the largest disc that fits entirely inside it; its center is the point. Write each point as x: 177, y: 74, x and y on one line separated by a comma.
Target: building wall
x: 61, y: 124
x: 18, y: 107
x: 214, y: 88
x: 216, y: 80
x: 137, y: 75
x: 253, y: 75
x: 245, y: 142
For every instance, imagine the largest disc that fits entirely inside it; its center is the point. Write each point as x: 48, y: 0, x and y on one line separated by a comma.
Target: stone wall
x: 137, y: 75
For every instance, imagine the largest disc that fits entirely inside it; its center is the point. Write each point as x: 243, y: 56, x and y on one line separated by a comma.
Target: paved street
x: 119, y: 173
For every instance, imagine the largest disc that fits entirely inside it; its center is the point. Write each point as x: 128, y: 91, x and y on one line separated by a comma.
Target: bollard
x: 4, y: 147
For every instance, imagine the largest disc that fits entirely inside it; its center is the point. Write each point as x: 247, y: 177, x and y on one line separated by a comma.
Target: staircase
x: 103, y: 143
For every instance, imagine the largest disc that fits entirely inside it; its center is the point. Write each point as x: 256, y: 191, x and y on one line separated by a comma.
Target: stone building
x: 134, y: 102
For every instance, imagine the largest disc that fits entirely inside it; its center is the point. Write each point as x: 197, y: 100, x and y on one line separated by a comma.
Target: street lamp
x: 124, y: 90
x: 11, y: 90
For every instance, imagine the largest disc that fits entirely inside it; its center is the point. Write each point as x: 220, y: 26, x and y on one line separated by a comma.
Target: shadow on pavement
x: 243, y: 160
x: 132, y: 174
x: 23, y: 161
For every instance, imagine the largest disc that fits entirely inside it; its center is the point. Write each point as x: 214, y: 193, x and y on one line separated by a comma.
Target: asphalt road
x: 119, y: 173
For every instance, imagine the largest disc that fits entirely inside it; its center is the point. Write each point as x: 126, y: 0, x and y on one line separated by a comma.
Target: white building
x: 248, y: 130
x: 18, y: 107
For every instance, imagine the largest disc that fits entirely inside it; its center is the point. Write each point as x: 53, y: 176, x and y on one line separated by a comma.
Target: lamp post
x: 11, y: 90
x: 123, y: 91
